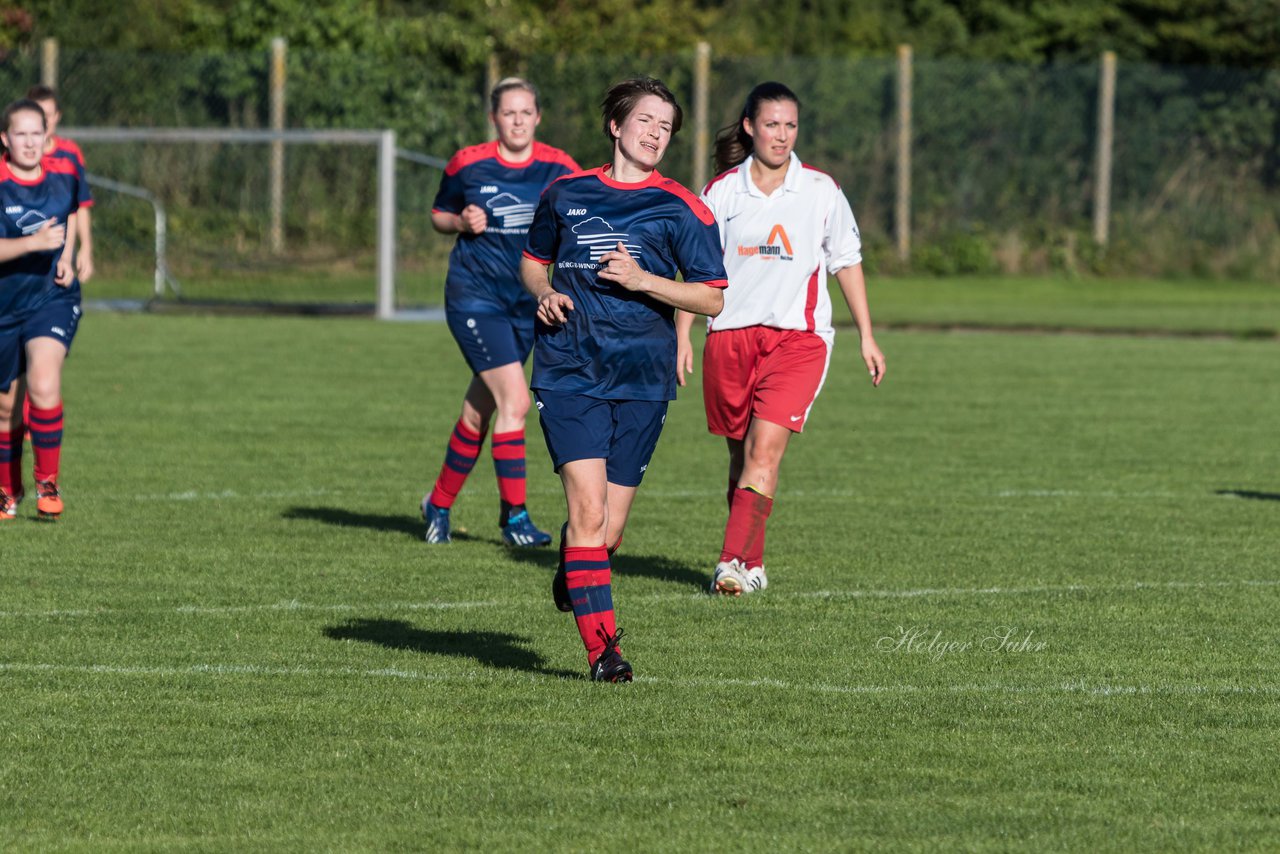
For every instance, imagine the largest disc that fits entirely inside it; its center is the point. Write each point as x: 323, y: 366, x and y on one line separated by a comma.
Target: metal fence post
x: 902, y: 207
x: 1106, y: 133
x: 387, y: 225
x: 278, y: 50
x: 701, y: 115
x: 49, y: 63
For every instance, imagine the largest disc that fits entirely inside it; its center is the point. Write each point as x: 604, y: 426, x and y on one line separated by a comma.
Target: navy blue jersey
x: 27, y: 282
x: 65, y: 148
x: 618, y: 344
x: 484, y: 269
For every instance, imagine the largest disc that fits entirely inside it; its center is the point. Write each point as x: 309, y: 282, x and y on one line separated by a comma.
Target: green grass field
x: 1243, y: 309
x: 1022, y: 597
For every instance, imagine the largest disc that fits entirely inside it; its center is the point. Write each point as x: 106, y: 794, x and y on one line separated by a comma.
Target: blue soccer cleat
x: 520, y: 531
x: 437, y: 519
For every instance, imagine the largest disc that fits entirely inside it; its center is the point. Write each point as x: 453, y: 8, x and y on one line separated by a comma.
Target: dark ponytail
x: 733, y: 144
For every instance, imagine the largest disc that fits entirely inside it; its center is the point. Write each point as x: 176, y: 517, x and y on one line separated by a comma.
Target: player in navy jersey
x: 605, y: 348
x: 39, y: 302
x: 487, y: 197
x: 81, y: 246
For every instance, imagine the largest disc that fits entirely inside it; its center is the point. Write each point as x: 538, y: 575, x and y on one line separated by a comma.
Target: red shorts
x: 761, y: 372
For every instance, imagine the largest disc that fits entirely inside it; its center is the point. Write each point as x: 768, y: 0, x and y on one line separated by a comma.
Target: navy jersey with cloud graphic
x: 617, y: 344
x: 27, y: 282
x: 484, y: 269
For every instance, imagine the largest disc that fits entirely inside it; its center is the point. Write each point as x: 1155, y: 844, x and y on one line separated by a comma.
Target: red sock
x: 11, y: 461
x: 459, y: 460
x: 46, y: 441
x: 508, y: 463
x: 744, y: 534
x: 590, y: 587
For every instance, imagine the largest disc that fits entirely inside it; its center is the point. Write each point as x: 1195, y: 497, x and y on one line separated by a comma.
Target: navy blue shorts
x: 56, y: 319
x: 623, y: 433
x: 490, y: 340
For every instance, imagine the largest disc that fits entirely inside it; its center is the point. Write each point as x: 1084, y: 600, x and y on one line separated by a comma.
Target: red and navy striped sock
x: 459, y: 460
x: 11, y: 461
x: 45, y: 426
x: 744, y: 534
x: 590, y: 588
x: 508, y: 464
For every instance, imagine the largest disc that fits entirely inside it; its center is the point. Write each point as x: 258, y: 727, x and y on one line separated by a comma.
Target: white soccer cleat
x: 756, y: 579
x: 730, y: 578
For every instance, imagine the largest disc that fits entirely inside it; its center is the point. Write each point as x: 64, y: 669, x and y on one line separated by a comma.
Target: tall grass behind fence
x: 1003, y: 155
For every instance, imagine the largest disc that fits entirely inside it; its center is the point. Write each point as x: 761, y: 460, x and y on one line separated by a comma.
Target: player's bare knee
x: 43, y: 391
x: 515, y: 408
x: 587, y: 524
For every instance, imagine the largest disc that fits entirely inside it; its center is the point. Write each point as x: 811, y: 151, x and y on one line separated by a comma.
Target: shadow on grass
x: 398, y: 524
x: 492, y: 649
x: 656, y: 567
x: 1249, y: 493
x: 661, y: 568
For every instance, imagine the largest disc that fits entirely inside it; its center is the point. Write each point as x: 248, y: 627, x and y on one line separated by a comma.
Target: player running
x: 39, y: 303
x: 784, y: 226
x: 487, y: 197
x: 606, y: 342
x: 57, y: 146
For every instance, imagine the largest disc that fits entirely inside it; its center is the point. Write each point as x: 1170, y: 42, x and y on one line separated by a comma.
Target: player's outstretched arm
x: 618, y: 266
x: 854, y: 287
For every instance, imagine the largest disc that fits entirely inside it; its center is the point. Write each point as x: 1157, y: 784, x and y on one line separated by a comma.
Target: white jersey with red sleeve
x: 778, y: 249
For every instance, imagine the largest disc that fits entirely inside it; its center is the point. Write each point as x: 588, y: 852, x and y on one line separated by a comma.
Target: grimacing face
x: 24, y: 139
x: 644, y: 135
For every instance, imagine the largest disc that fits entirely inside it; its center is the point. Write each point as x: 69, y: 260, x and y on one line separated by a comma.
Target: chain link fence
x: 1002, y: 156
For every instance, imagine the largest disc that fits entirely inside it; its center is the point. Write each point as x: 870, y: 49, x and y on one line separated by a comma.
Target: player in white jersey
x: 784, y: 227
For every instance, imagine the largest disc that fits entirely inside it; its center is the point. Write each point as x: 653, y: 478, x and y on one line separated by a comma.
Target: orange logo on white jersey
x: 770, y: 250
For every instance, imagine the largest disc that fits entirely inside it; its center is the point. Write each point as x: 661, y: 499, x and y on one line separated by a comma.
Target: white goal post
x: 387, y: 154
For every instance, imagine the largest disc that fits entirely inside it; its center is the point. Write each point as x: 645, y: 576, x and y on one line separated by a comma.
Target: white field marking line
x: 295, y: 605
x: 1077, y: 687
x: 1030, y: 591
x: 232, y: 495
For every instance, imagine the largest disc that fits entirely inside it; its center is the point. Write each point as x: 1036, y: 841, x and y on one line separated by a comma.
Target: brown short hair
x: 622, y: 98
x: 41, y: 92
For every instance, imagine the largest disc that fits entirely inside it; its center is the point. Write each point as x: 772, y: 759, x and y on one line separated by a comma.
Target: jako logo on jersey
x: 770, y: 250
x: 489, y: 188
x: 576, y: 212
x: 598, y: 236
x: 513, y: 212
x: 13, y: 209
